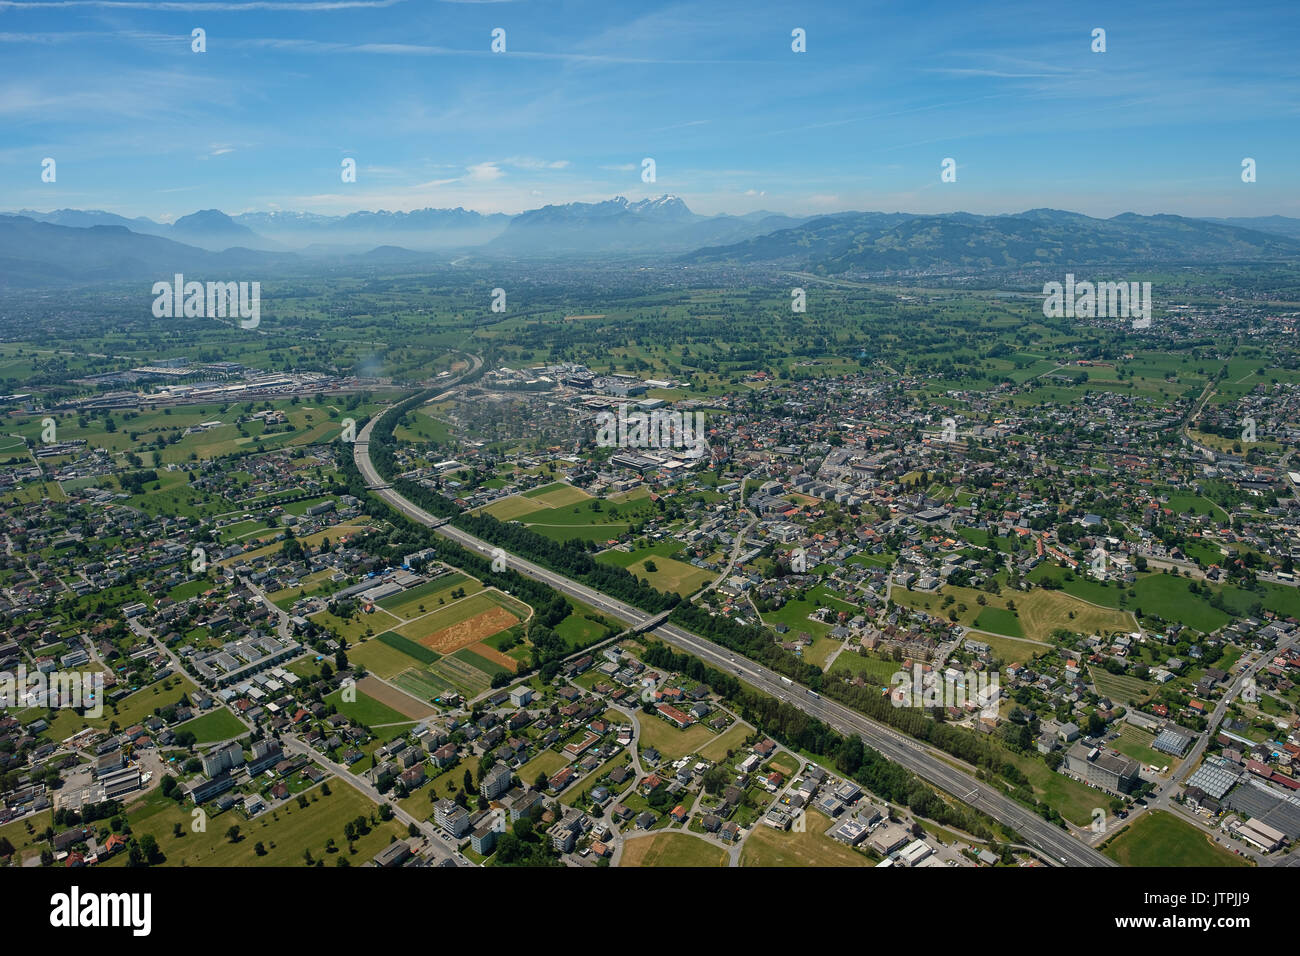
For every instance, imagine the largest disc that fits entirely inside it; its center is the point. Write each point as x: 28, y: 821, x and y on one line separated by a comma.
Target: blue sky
x: 141, y: 125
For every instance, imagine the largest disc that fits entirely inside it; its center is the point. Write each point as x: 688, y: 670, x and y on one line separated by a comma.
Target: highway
x: 1058, y: 846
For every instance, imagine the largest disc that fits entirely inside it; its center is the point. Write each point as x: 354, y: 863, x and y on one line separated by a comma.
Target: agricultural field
x: 366, y: 710
x: 448, y: 647
x: 390, y: 697
x: 464, y: 622
x: 430, y: 595
x: 135, y: 708
x: 1121, y: 688
x: 380, y: 658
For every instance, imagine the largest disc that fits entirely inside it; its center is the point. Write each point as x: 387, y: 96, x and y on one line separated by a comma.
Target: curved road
x: 1056, y: 845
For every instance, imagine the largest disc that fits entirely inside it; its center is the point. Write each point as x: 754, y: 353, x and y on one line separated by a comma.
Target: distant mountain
x: 85, y: 218
x: 1281, y: 225
x: 420, y: 229
x: 213, y: 229
x: 36, y: 254
x: 69, y: 245
x: 888, y: 242
x: 208, y: 229
x: 619, y: 225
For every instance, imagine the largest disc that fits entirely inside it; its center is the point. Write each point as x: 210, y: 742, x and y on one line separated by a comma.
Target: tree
x: 233, y: 834
x: 540, y: 782
x: 259, y: 849
x: 149, y: 847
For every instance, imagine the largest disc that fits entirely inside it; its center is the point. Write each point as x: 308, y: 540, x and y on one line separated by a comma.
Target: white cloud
x: 529, y: 162
x: 483, y: 173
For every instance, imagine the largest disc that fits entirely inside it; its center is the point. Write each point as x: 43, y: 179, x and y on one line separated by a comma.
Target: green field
x: 733, y: 738
x: 668, y: 740
x: 366, y: 710
x: 999, y: 621
x: 407, y: 604
x: 769, y: 847
x: 130, y: 710
x: 422, y: 684
x: 547, y: 762
x: 1121, y: 688
x: 1159, y: 838
x: 460, y: 611
x: 219, y: 724
x: 669, y: 575
x: 408, y: 647
x: 672, y: 849
x: 284, y: 839
x: 381, y: 659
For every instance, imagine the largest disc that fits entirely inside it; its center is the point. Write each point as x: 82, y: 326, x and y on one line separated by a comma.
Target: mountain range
x: 895, y: 242
x: 87, y: 246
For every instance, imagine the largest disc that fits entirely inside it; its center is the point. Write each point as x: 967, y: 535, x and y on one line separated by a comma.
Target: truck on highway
x: 787, y: 680
x: 813, y: 693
